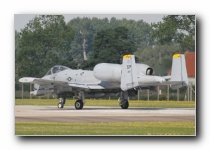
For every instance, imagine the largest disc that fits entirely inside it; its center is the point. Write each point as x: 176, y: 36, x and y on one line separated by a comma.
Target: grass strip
x: 110, y: 128
x: 132, y: 103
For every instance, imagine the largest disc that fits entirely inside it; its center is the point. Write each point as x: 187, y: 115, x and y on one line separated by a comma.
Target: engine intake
x: 149, y: 71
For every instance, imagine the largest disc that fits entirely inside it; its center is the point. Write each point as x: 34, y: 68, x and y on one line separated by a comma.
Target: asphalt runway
x: 101, y: 114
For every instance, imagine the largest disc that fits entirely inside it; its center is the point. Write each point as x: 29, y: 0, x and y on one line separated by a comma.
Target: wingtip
x: 26, y: 79
x: 22, y: 79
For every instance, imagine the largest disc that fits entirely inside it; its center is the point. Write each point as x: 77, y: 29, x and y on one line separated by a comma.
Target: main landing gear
x: 78, y: 104
x: 124, y: 100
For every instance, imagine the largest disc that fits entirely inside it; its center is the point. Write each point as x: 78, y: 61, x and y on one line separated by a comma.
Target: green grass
x: 111, y: 128
x: 132, y: 103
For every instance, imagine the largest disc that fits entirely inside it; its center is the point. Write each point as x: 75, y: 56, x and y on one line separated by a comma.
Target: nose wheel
x: 60, y: 105
x: 61, y: 102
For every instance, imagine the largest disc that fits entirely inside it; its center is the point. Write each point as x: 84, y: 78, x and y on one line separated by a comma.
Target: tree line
x: 81, y: 43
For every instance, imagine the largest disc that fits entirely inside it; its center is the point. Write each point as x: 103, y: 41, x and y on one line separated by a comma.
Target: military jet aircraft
x: 106, y: 78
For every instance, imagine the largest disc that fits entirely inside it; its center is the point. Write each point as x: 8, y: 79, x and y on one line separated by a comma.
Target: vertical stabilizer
x: 179, y: 71
x: 129, y: 74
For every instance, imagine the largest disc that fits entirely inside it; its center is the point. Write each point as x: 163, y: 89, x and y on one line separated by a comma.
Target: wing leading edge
x: 40, y: 81
x: 86, y: 86
x: 48, y: 81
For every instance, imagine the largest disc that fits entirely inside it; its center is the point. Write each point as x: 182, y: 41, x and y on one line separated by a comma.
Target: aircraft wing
x: 40, y: 81
x: 86, y: 86
x: 48, y: 81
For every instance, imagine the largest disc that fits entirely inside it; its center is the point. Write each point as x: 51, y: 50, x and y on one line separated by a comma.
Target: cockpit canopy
x: 56, y: 69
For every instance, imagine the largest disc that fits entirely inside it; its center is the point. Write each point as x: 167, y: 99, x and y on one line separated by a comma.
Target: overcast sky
x: 22, y: 19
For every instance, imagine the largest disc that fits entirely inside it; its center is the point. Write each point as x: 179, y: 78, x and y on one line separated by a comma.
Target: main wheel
x: 78, y: 104
x: 60, y: 105
x: 125, y: 105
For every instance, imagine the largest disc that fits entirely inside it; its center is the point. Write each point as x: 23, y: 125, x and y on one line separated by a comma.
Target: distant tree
x: 44, y: 42
x: 179, y: 29
x: 139, y: 32
x: 159, y: 57
x: 17, y: 40
x: 85, y: 29
x: 110, y: 45
x: 17, y: 48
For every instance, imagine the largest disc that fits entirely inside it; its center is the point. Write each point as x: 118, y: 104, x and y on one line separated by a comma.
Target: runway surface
x: 101, y: 114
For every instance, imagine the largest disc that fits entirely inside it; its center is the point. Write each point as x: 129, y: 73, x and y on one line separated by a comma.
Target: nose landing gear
x: 62, y: 101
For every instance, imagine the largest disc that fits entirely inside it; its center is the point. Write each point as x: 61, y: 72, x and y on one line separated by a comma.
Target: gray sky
x: 22, y: 19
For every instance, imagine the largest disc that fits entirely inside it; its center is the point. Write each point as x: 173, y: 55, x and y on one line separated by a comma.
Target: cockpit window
x: 56, y: 69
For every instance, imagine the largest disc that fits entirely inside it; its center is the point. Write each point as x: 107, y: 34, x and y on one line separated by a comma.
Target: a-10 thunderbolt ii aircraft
x: 106, y: 78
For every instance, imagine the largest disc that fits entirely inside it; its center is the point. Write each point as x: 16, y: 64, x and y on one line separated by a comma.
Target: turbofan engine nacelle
x: 112, y: 72
x: 144, y: 69
x: 108, y: 72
